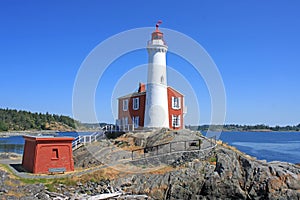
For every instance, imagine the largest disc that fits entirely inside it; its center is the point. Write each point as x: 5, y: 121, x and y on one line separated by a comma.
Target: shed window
x: 54, y: 154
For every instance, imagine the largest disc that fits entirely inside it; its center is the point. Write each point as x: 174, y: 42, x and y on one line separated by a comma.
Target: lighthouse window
x: 155, y: 37
x: 175, y: 121
x: 176, y: 102
x: 125, y: 104
x: 136, y: 103
x: 162, y: 80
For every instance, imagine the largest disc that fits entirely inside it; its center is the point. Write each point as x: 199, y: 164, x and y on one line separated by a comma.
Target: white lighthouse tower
x: 156, y: 113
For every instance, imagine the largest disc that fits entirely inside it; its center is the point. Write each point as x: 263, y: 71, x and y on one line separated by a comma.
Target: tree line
x: 14, y: 120
x: 236, y: 127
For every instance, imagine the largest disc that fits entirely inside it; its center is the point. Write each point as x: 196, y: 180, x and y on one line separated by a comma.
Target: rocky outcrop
x: 84, y: 158
x: 162, y: 136
x: 239, y: 177
x: 13, y: 189
x: 233, y: 176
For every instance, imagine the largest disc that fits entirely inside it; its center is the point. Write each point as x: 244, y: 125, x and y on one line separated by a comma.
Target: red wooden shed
x: 44, y: 154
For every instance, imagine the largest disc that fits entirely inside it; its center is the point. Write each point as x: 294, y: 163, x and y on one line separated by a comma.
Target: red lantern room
x: 157, y: 35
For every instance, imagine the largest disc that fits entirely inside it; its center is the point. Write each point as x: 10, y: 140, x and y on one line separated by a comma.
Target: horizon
x: 102, y: 122
x: 254, y: 44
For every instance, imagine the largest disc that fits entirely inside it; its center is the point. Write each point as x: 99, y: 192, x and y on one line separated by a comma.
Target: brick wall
x: 41, y: 153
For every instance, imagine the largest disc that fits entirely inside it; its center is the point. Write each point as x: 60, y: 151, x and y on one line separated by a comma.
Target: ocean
x: 270, y: 146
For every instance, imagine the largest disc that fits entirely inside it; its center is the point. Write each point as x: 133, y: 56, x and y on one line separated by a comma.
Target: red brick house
x: 131, y: 109
x: 44, y: 154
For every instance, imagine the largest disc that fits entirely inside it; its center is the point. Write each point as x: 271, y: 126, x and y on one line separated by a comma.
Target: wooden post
x: 215, y: 137
x: 199, y: 144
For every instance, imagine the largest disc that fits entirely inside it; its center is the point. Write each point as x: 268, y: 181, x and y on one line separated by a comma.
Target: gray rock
x: 43, y: 196
x: 234, y: 176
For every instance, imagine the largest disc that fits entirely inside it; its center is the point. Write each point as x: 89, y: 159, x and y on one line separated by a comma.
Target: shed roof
x: 47, y: 138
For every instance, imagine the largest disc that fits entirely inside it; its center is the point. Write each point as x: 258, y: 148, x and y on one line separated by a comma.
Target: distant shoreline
x: 258, y: 130
x: 29, y: 132
x: 37, y: 132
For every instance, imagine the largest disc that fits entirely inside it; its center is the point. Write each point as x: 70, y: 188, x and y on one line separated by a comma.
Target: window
x: 175, y: 121
x: 125, y: 104
x: 176, y: 102
x: 54, y: 154
x: 162, y: 79
x: 126, y: 121
x: 136, y: 103
x: 135, y: 121
x: 155, y: 37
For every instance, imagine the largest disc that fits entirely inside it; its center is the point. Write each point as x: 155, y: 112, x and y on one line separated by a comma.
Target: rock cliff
x: 232, y: 176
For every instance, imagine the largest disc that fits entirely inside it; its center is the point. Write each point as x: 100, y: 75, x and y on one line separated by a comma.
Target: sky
x: 254, y: 44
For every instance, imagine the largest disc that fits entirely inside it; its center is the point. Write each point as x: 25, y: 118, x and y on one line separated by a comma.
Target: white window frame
x: 176, y: 121
x: 136, y: 103
x: 125, y: 104
x: 135, y: 121
x: 176, y: 103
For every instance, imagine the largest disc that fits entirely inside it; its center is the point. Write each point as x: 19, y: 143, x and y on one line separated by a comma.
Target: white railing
x: 83, y: 139
x: 127, y: 127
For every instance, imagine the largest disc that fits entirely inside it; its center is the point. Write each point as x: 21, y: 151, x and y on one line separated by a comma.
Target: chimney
x: 142, y: 87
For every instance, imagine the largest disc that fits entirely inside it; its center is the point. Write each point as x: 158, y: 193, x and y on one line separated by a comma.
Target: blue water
x: 12, y: 144
x: 270, y: 146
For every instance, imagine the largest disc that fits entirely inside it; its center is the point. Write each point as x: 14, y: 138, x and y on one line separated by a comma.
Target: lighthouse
x: 154, y: 105
x: 156, y: 111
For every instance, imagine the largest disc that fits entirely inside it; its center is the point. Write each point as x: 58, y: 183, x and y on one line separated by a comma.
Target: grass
x: 127, y: 143
x: 213, y: 159
x: 162, y: 170
x: 6, y: 168
x: 35, y: 181
x: 49, y: 183
x: 94, y: 177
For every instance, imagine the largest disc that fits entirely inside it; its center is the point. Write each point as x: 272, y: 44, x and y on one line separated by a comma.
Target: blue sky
x: 255, y: 45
